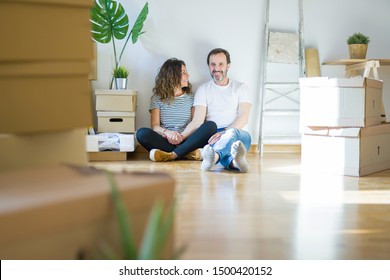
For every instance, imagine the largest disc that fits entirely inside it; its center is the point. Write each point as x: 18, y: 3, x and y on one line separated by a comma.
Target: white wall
x: 188, y: 30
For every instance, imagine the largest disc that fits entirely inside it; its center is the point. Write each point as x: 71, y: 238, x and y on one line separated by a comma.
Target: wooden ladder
x: 280, y: 89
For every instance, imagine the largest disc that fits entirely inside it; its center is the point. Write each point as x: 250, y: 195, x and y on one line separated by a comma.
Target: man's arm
x: 243, y: 116
x: 196, y: 122
x: 239, y: 122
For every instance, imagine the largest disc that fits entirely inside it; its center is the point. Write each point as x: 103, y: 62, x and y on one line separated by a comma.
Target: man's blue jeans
x: 223, y: 146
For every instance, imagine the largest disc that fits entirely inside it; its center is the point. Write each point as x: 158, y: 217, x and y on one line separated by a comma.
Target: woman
x: 171, y: 109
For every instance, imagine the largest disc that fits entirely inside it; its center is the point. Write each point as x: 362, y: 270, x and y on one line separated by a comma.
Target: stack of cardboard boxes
x: 45, y: 100
x: 342, y: 130
x: 48, y: 209
x: 115, y: 114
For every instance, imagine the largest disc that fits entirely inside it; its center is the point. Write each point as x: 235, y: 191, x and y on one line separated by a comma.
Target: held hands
x: 173, y: 137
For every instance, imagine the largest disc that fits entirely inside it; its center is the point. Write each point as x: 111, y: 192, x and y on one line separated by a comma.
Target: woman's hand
x: 173, y: 137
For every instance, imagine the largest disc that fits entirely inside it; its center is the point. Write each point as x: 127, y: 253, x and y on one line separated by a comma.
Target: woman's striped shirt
x: 176, y: 114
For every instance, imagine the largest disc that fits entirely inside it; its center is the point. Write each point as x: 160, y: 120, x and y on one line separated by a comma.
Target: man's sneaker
x: 158, y: 155
x: 194, y: 155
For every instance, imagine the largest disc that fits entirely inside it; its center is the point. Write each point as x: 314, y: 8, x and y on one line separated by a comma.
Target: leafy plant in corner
x: 358, y: 38
x: 156, y: 234
x: 110, y: 22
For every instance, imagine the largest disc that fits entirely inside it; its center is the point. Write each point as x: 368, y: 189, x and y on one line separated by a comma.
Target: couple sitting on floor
x: 207, y: 126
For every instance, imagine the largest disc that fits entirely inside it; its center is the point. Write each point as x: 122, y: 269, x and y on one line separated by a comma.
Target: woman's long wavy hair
x: 169, y: 78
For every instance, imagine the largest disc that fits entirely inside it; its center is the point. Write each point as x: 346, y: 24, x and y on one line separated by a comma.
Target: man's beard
x: 220, y: 78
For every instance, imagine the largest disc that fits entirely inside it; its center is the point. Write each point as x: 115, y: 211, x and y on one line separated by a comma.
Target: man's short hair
x: 216, y: 51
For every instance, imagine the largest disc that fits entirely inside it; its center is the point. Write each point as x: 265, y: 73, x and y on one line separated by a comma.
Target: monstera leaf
x: 136, y: 31
x: 109, y: 20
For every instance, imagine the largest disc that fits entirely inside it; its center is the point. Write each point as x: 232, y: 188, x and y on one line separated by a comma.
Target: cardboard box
x: 116, y: 100
x: 42, y: 149
x: 45, y: 30
x: 107, y: 156
x: 346, y: 151
x: 335, y: 102
x: 125, y: 142
x: 66, y: 212
x: 45, y: 96
x: 116, y: 122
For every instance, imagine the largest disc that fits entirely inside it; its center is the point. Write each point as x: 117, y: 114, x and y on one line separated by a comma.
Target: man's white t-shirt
x: 222, y: 101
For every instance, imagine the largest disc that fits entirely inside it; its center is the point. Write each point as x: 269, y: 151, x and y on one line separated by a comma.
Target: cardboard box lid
x: 82, y: 3
x: 114, y: 92
x: 39, y: 201
x: 347, y: 131
x: 115, y: 114
x: 340, y: 82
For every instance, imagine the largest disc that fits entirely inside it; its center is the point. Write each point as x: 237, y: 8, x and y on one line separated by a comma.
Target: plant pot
x: 357, y: 51
x: 120, y: 83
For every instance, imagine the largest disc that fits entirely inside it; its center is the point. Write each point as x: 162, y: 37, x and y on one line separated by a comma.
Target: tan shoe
x: 158, y: 155
x: 194, y: 155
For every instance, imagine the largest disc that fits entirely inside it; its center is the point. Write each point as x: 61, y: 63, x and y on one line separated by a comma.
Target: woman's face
x: 184, y: 76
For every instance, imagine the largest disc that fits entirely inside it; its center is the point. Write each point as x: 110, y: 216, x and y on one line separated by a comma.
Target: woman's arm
x: 155, y: 123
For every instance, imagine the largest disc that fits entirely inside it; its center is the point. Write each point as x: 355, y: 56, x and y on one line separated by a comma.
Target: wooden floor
x: 275, y: 211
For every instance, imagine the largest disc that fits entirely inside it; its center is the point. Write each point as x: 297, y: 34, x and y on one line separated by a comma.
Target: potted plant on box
x: 358, y: 44
x: 120, y: 75
x: 110, y: 22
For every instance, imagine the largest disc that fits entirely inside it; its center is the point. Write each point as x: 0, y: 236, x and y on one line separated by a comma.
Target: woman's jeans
x: 150, y: 139
x: 224, y: 144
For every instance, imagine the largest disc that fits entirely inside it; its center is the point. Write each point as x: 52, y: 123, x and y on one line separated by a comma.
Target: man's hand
x: 213, y: 139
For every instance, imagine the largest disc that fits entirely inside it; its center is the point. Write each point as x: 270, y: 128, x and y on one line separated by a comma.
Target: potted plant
x: 358, y: 44
x: 120, y: 75
x: 110, y: 22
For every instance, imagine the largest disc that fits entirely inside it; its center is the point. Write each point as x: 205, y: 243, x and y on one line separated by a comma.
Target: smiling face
x: 184, y: 76
x: 219, y: 67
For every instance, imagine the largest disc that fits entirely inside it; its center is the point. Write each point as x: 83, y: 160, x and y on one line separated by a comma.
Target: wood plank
x: 382, y: 61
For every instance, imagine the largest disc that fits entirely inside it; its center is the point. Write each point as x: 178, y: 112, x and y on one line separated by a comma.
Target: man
x: 225, y: 102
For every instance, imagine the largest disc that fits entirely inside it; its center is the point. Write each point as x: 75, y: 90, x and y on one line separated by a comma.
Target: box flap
x: 374, y: 83
x: 375, y: 130
x: 115, y: 114
x: 113, y: 92
x: 334, y: 132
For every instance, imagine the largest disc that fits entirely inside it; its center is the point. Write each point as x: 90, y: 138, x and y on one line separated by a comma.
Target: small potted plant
x: 120, y: 75
x: 358, y: 44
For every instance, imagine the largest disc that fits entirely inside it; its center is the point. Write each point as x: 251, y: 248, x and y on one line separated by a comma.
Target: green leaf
x: 157, y: 232
x: 127, y: 238
x: 109, y: 20
x: 136, y: 31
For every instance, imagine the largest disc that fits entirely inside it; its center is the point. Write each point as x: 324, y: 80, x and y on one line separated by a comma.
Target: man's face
x: 218, y: 68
